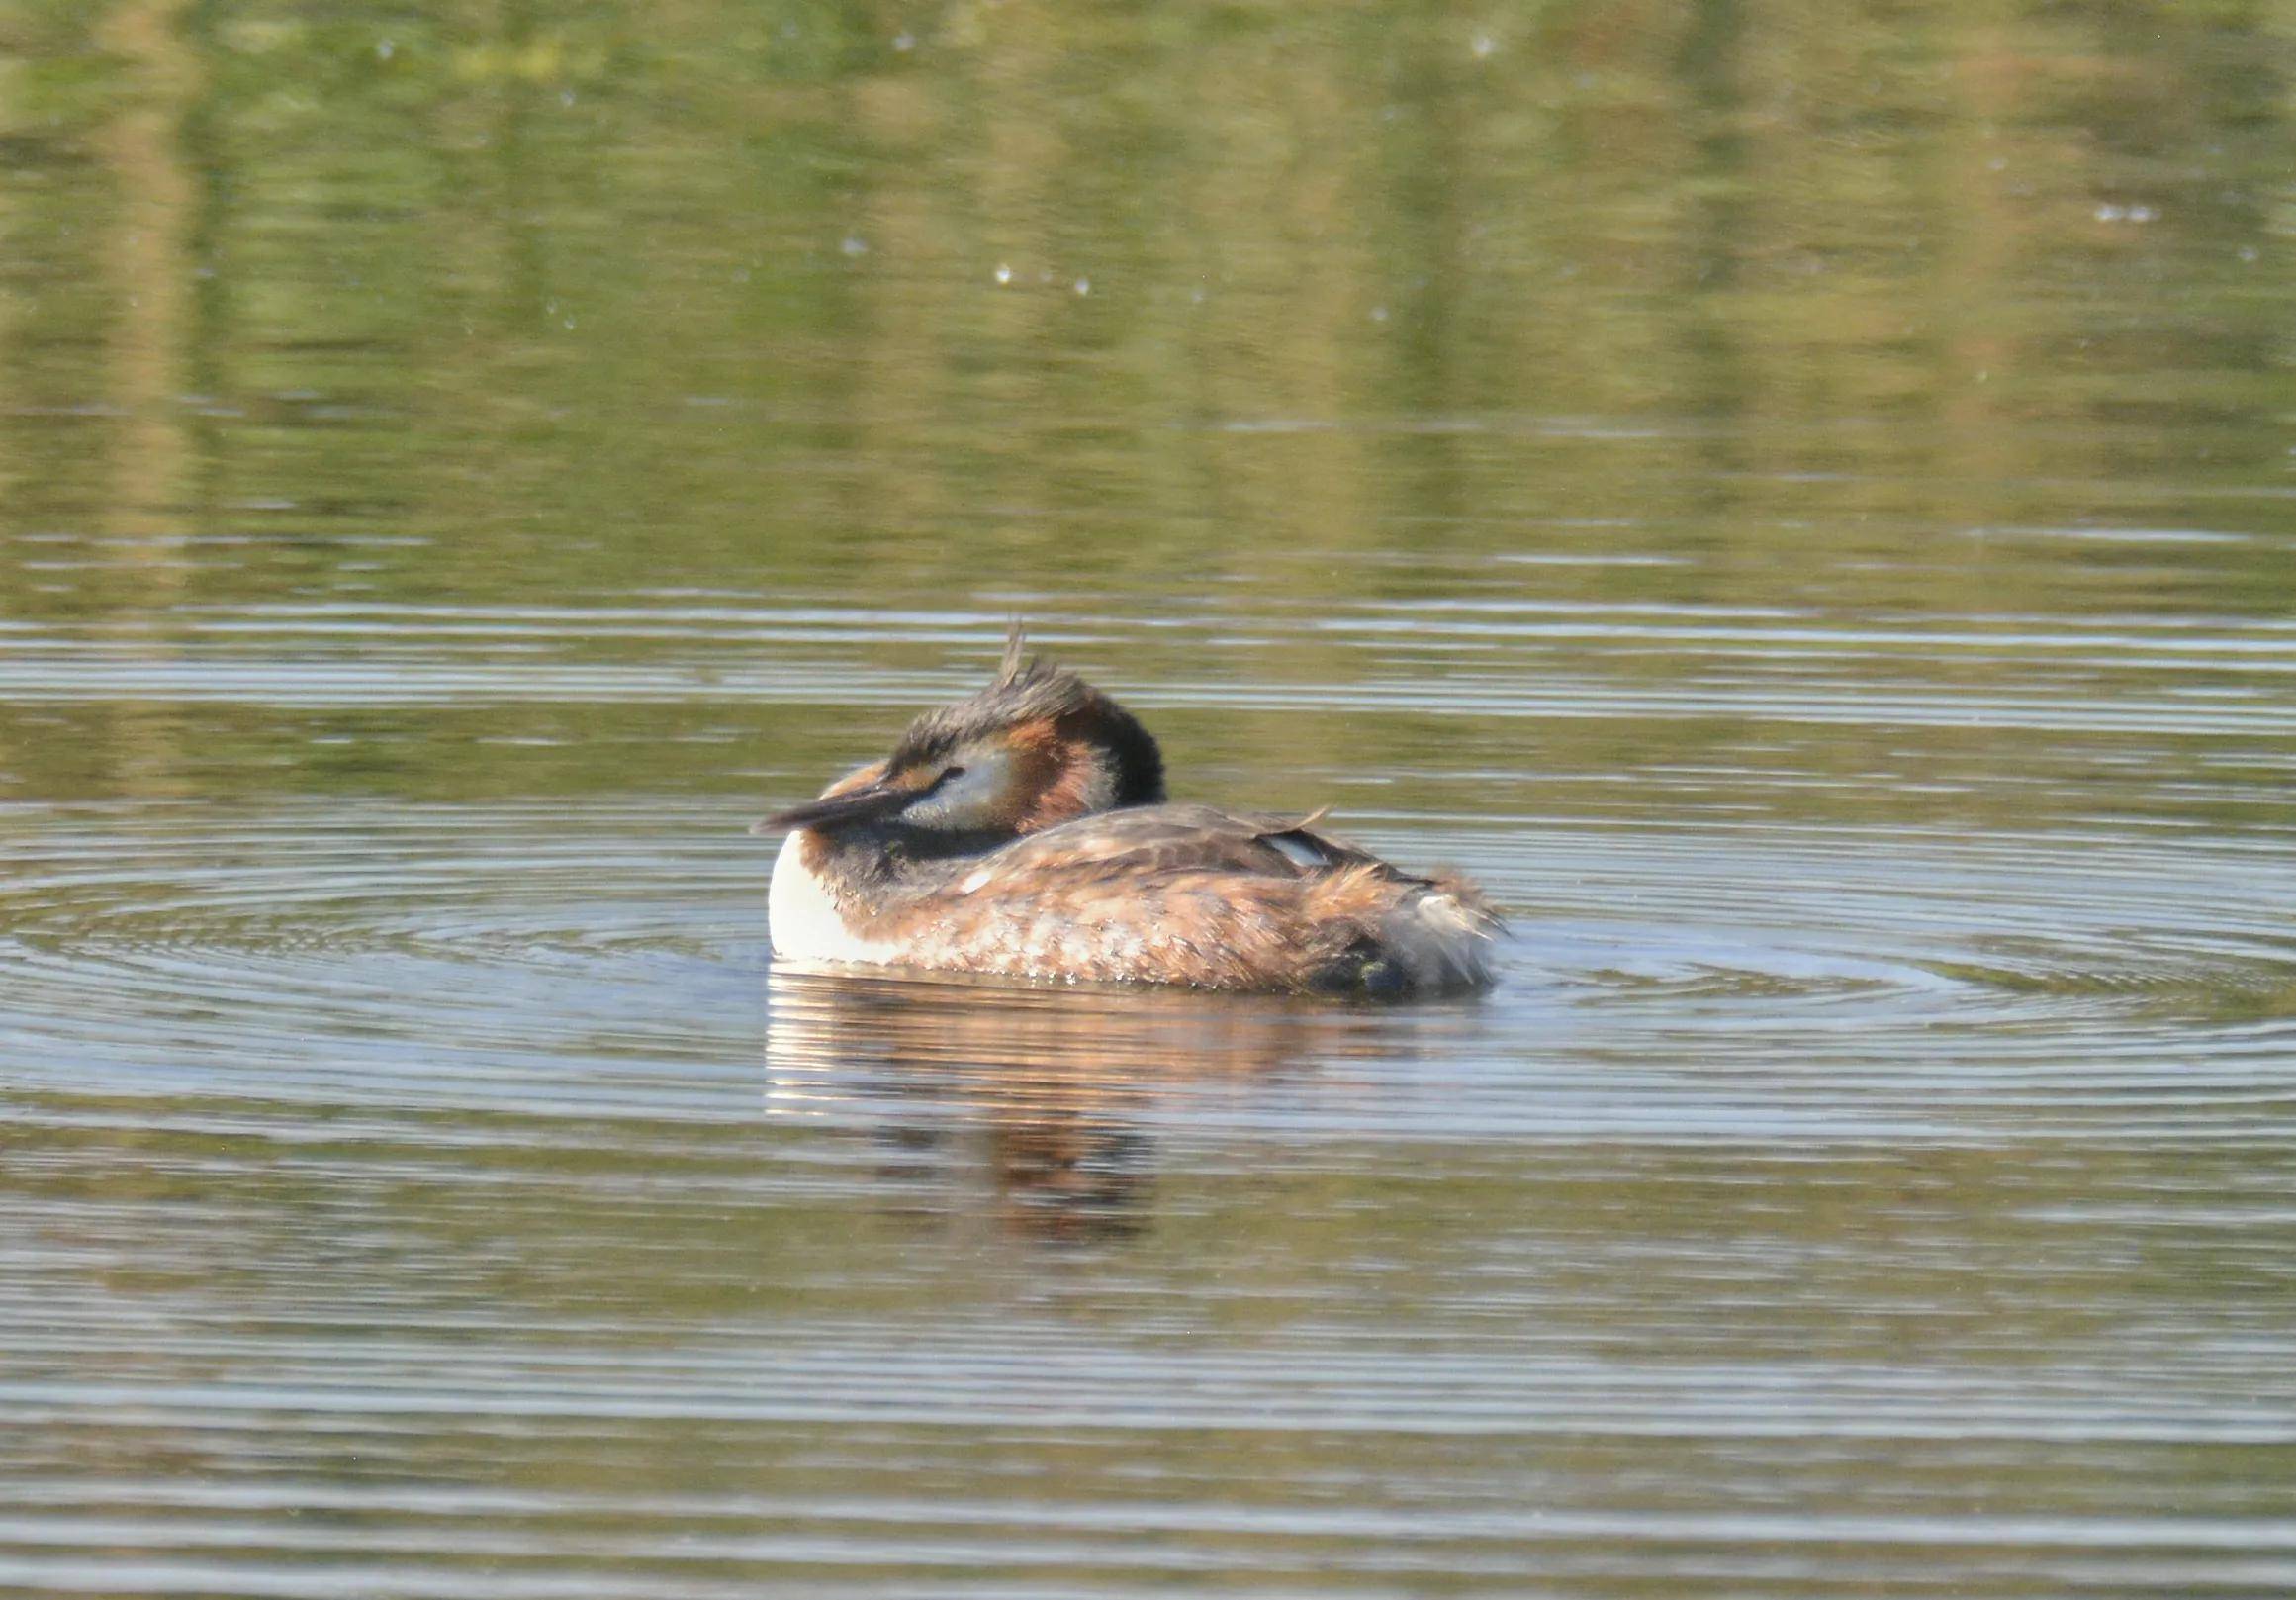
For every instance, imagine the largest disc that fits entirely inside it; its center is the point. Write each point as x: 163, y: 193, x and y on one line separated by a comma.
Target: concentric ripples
x: 1873, y: 1175
x: 1753, y: 972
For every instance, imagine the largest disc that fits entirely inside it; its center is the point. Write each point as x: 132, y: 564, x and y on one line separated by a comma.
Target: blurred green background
x: 1229, y: 312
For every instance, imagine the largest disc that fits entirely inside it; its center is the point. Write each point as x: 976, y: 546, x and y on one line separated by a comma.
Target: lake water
x: 1799, y: 500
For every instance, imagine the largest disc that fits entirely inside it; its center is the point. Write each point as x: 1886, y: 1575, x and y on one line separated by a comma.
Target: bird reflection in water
x: 1050, y: 1097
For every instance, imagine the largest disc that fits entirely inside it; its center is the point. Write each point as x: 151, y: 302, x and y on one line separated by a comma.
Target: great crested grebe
x: 1024, y: 831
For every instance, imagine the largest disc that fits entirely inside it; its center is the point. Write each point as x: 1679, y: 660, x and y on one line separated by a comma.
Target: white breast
x: 802, y: 919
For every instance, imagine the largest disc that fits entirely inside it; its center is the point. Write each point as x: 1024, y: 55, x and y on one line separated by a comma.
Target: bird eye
x: 951, y: 772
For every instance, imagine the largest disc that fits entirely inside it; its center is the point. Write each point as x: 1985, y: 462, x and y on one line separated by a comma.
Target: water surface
x: 1797, y: 501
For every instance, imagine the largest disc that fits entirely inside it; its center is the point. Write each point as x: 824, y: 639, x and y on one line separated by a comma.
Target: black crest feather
x: 1016, y: 643
x: 1030, y: 689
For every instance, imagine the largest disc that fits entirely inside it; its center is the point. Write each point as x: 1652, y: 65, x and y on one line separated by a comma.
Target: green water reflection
x: 518, y: 302
x: 1186, y: 312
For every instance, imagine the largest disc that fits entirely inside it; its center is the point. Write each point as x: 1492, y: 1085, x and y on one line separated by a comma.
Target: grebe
x: 1024, y: 831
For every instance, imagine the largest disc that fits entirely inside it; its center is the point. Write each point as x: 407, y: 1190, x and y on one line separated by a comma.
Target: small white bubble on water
x: 1379, y: 314
x: 904, y: 42
x: 855, y: 244
x: 1482, y: 45
x: 1003, y: 273
x: 1083, y: 286
x: 385, y: 50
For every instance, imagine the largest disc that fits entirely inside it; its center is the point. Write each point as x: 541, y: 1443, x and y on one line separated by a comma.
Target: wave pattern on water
x: 418, y: 1197
x: 442, y: 1143
x: 1470, y: 661
x: 436, y: 951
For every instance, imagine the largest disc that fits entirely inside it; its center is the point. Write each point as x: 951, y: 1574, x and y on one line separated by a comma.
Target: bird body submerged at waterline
x: 1024, y: 831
